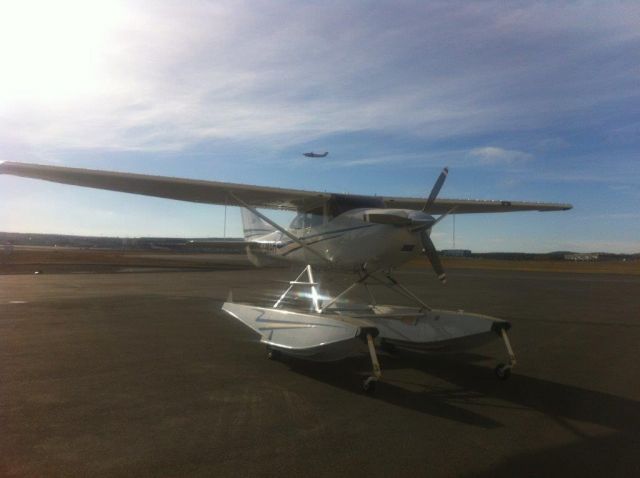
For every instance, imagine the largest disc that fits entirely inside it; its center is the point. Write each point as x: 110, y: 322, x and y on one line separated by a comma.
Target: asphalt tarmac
x: 141, y: 374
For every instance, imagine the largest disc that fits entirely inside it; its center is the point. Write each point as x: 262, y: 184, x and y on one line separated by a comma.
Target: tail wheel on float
x: 502, y: 371
x: 369, y: 385
x: 273, y: 354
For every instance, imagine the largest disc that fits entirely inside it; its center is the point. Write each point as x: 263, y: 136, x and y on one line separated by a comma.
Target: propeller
x: 420, y: 222
x: 427, y: 244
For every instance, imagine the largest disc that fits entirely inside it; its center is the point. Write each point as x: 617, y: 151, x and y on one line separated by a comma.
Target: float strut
x: 507, y: 344
x: 375, y: 365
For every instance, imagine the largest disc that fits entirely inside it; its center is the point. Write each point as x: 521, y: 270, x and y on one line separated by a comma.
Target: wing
x: 467, y: 206
x: 212, y: 192
x: 192, y: 190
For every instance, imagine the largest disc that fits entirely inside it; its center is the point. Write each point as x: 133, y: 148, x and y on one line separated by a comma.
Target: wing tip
x: 12, y: 167
x: 560, y: 207
x: 551, y: 206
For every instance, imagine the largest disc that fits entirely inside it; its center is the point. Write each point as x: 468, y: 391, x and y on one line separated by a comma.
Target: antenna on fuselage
x: 225, y: 217
x: 454, y: 231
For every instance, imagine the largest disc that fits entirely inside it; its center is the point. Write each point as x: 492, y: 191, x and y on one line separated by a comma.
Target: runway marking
x: 17, y: 302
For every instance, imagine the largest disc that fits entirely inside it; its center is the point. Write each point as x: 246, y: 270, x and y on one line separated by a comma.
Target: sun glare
x: 54, y: 51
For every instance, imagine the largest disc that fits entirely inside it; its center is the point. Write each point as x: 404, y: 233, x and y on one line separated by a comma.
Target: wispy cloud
x: 481, y: 156
x: 616, y: 216
x: 492, y: 155
x: 442, y: 158
x: 162, y: 77
x: 616, y: 180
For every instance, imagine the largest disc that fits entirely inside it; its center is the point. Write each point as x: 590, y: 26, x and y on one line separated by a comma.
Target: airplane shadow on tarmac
x: 476, y: 383
x: 346, y: 376
x: 609, y: 454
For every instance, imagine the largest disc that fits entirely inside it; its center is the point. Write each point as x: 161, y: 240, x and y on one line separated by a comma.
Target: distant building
x: 455, y: 252
x: 581, y: 257
x: 8, y: 249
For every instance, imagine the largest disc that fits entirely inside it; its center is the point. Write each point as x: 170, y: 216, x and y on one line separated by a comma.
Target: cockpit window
x: 308, y: 219
x: 337, y: 204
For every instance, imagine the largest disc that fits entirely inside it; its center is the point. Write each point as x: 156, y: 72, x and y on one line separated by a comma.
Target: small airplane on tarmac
x: 316, y: 155
x: 365, y: 235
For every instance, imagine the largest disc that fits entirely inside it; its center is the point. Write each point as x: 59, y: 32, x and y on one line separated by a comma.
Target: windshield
x: 339, y: 204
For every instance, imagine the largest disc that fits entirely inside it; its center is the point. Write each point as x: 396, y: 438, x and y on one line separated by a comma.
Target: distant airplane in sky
x: 316, y: 155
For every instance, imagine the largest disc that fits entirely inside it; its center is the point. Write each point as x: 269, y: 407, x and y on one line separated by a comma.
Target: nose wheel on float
x: 503, y: 371
x: 273, y: 354
x: 369, y: 383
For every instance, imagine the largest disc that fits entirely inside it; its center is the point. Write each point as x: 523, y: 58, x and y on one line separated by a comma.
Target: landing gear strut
x: 503, y: 371
x: 369, y: 383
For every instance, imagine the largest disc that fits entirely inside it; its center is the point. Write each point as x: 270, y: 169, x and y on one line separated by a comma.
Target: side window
x: 308, y: 219
x: 298, y: 221
x: 314, y: 219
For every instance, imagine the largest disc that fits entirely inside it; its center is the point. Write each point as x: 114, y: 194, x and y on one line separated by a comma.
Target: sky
x: 534, y: 101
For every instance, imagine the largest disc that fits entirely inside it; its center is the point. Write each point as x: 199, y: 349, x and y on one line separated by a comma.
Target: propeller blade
x: 436, y: 189
x: 432, y: 254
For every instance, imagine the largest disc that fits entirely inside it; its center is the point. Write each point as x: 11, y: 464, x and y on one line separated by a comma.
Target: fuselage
x: 347, y: 241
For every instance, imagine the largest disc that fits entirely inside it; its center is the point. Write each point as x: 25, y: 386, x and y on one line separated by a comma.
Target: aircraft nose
x: 414, y: 220
x: 420, y: 216
x: 421, y: 220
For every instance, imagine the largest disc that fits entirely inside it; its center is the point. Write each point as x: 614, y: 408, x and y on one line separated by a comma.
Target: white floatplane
x: 366, y: 235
